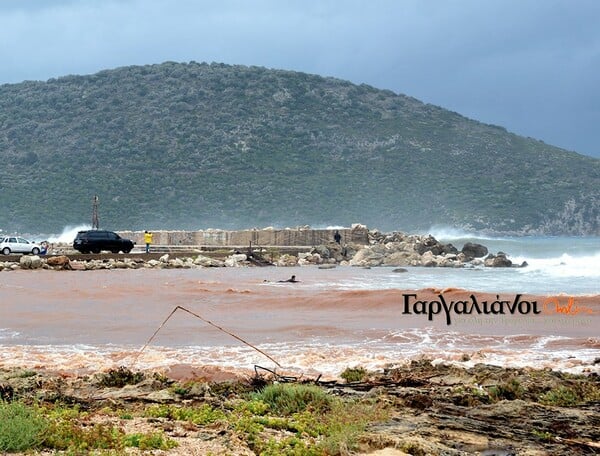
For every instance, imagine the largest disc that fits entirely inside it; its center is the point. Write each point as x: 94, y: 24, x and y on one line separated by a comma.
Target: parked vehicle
x: 16, y: 244
x: 97, y: 240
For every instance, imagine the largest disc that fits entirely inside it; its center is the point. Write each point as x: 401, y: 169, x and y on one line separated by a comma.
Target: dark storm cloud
x: 530, y: 66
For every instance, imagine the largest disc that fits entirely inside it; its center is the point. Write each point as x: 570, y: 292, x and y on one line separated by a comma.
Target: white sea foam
x: 68, y: 234
x: 321, y: 356
x: 7, y: 333
x: 565, y: 265
x: 451, y: 234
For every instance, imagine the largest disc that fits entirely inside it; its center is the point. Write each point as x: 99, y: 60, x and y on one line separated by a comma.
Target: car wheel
x: 5, y: 251
x: 127, y: 251
x: 35, y: 251
x: 95, y: 250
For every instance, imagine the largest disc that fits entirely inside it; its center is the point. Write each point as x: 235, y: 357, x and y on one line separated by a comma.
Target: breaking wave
x: 68, y: 234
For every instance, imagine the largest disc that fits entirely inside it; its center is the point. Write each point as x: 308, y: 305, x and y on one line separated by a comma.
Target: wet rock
x: 498, y: 261
x: 429, y: 244
x: 474, y: 250
x: 322, y: 250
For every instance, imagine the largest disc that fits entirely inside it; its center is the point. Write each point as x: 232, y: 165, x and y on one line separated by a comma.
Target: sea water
x: 554, y: 265
x: 94, y: 320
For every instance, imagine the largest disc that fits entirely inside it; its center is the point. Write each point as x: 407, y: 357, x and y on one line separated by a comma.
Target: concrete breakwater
x: 301, y: 236
x: 356, y: 246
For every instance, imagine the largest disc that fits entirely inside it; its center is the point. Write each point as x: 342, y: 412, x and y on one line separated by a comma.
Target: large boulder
x: 400, y: 258
x: 176, y: 263
x: 25, y: 262
x: 322, y: 250
x: 474, y: 250
x: 429, y: 244
x: 428, y: 259
x: 208, y: 262
x: 449, y: 249
x: 236, y: 260
x: 498, y: 261
x: 59, y: 262
x: 368, y: 256
x: 287, y: 260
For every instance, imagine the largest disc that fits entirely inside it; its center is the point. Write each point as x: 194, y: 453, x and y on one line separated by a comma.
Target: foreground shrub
x: 120, y: 377
x: 71, y: 435
x: 303, y: 420
x: 561, y: 396
x: 354, y: 374
x: 21, y: 427
x: 287, y: 399
x: 510, y: 390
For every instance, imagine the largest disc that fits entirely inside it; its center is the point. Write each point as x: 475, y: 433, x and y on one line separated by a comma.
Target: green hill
x: 195, y: 146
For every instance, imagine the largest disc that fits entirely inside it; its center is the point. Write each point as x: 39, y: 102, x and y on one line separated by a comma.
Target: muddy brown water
x: 94, y: 320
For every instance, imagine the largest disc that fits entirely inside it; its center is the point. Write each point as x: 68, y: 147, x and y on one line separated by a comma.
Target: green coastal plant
x: 22, y: 427
x: 280, y: 419
x: 354, y: 374
x: 286, y: 399
x: 510, y: 390
x: 561, y: 396
x: 120, y: 377
x: 306, y: 419
x: 544, y: 436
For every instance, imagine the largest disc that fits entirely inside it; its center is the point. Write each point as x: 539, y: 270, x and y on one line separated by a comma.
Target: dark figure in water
x: 337, y: 237
x: 291, y: 279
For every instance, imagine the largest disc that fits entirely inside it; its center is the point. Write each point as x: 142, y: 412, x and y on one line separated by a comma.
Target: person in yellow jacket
x: 147, y: 240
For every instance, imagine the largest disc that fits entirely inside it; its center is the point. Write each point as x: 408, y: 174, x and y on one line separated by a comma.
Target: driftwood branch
x: 207, y: 322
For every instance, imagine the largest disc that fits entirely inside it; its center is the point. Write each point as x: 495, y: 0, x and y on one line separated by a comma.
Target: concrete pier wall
x: 267, y: 237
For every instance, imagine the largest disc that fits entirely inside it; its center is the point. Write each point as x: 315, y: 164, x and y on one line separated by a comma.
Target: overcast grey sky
x: 532, y: 66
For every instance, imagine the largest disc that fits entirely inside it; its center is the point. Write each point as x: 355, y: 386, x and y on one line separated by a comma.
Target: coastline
x: 470, y: 387
x: 422, y: 409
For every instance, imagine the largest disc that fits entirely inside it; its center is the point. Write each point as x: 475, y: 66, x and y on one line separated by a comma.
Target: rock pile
x: 164, y: 262
x: 384, y: 249
x: 400, y: 249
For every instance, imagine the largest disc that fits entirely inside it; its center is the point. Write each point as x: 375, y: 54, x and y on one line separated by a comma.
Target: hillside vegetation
x: 199, y: 145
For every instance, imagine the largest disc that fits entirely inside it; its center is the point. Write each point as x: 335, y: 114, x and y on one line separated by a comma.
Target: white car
x: 15, y: 244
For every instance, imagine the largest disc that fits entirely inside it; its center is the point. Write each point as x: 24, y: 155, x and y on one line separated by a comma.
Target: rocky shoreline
x: 383, y: 249
x: 423, y: 409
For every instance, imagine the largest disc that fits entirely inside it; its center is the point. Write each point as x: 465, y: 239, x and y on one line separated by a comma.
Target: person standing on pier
x: 337, y: 237
x: 147, y: 240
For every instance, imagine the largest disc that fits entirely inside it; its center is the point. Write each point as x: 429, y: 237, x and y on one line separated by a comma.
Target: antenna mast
x: 95, y: 222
